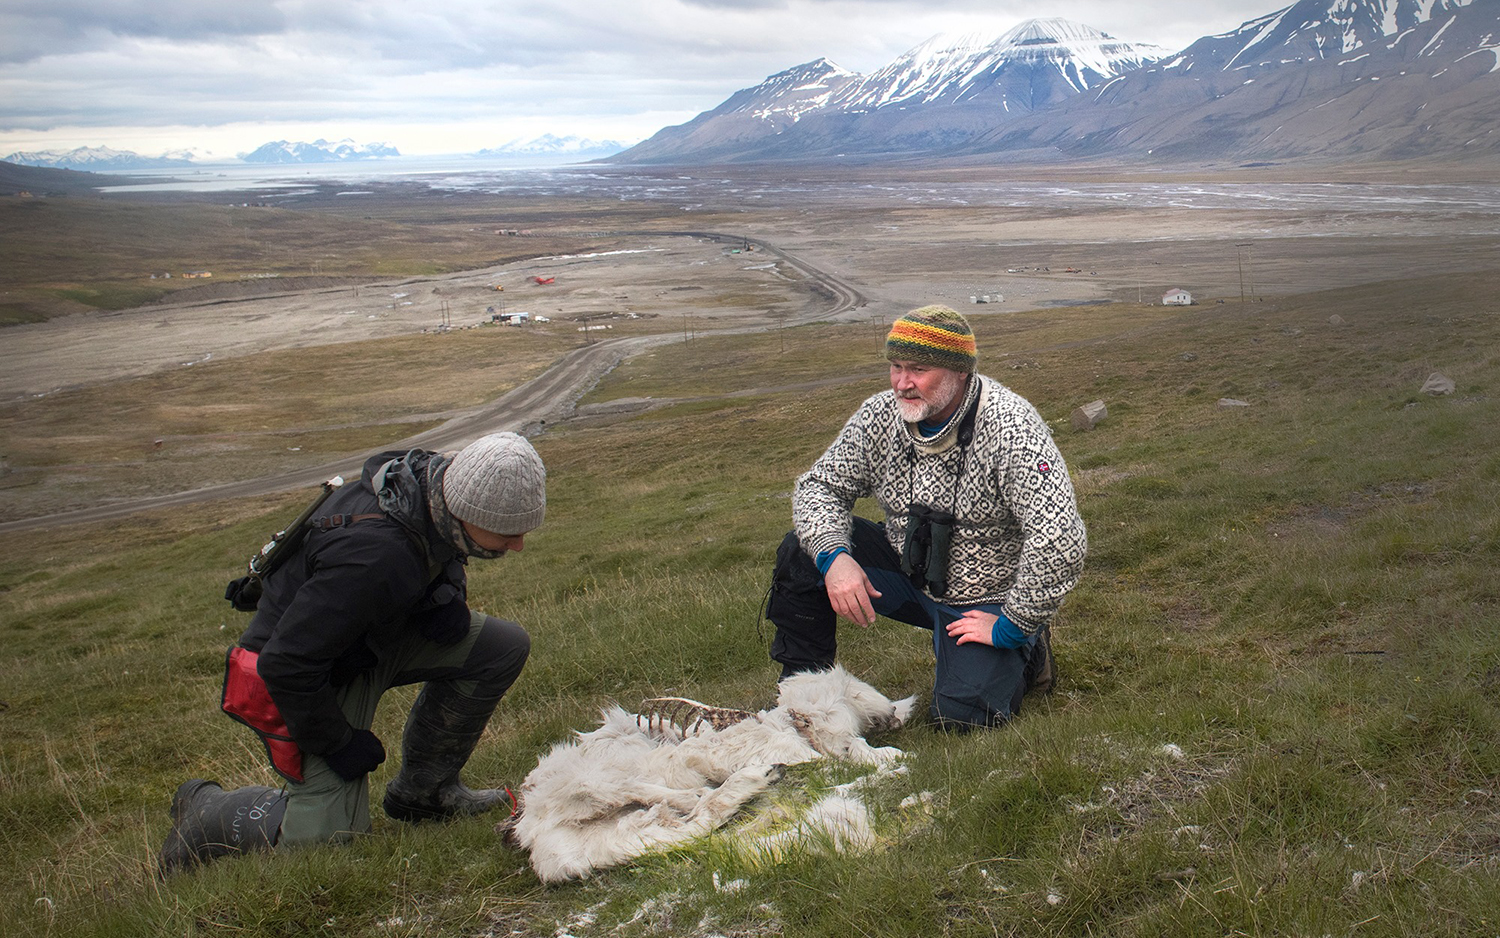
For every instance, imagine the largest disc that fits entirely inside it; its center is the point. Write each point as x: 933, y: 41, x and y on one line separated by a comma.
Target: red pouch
x: 247, y: 701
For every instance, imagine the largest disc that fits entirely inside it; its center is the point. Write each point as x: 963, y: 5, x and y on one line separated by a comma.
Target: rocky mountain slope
x: 940, y: 94
x: 1321, y: 79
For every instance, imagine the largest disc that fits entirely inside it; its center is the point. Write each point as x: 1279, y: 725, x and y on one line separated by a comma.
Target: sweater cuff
x: 824, y: 559
x: 1006, y: 634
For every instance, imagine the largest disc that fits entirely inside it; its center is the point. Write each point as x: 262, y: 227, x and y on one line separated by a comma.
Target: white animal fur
x: 633, y: 786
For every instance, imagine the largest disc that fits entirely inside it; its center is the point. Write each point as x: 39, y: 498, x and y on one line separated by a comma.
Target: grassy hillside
x: 1280, y: 691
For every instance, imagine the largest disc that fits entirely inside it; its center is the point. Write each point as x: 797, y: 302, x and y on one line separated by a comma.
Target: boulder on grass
x: 1438, y: 383
x: 1089, y: 415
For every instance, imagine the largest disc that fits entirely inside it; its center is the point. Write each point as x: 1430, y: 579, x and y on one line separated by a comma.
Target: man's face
x: 926, y: 392
x: 489, y: 540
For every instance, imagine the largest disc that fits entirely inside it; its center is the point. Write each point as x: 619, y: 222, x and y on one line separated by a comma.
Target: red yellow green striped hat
x: 933, y: 335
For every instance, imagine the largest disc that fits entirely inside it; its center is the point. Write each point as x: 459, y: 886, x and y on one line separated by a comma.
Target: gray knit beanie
x: 497, y: 483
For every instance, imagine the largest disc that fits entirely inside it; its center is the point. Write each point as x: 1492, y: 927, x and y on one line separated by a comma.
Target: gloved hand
x: 358, y: 757
x: 446, y: 624
x: 351, y: 664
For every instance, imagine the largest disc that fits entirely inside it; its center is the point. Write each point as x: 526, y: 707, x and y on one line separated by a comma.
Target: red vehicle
x: 543, y: 281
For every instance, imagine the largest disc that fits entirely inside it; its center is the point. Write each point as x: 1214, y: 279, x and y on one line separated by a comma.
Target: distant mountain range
x: 105, y: 159
x: 97, y: 159
x: 1319, y: 80
x: 319, y: 151
x: 941, y: 94
x: 548, y: 145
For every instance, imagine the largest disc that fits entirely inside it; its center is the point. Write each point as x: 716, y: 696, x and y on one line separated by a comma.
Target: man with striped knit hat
x: 981, y: 539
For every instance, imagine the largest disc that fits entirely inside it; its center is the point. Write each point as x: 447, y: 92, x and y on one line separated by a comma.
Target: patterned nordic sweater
x: 1018, y: 541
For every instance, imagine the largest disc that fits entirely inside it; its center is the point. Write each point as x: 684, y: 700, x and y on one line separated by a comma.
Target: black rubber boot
x: 441, y: 733
x: 1041, y: 667
x: 209, y: 822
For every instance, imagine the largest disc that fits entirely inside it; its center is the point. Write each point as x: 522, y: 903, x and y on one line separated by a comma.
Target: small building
x: 1175, y: 297
x: 510, y: 319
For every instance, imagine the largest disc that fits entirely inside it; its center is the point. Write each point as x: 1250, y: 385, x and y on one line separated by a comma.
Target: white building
x: 1175, y: 297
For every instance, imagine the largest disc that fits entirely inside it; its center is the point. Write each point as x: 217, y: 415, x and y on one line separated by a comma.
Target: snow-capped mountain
x: 1313, y: 31
x: 750, y: 117
x: 549, y: 145
x: 786, y: 96
x: 1321, y: 79
x: 973, y: 81
x: 1326, y: 79
x: 96, y: 159
x: 1037, y: 63
x: 319, y: 151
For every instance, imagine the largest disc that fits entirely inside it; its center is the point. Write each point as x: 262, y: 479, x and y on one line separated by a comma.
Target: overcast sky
x: 454, y: 76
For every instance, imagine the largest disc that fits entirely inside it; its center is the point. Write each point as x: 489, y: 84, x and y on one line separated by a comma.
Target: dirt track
x: 549, y: 398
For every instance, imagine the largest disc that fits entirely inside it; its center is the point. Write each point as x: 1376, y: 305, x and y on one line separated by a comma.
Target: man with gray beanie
x: 981, y: 538
x: 374, y: 597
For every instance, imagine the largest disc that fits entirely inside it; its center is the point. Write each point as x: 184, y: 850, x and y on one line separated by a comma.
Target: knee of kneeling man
x: 502, y: 648
x: 960, y: 715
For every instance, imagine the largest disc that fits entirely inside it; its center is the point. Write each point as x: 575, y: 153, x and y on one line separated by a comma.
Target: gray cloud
x: 163, y: 63
x: 32, y: 29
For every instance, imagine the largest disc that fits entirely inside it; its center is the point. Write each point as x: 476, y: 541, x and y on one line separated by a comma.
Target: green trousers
x: 325, y: 808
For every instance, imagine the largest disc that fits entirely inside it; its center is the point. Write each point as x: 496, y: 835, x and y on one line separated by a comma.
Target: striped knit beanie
x: 933, y: 335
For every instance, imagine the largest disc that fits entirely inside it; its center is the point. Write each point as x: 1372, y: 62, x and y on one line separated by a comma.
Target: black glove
x: 446, y: 624
x: 358, y: 757
x: 244, y: 593
x: 351, y: 664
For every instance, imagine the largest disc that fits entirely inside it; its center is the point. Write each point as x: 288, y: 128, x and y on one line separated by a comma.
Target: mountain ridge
x: 1318, y: 80
x: 814, y: 109
x: 1273, y: 91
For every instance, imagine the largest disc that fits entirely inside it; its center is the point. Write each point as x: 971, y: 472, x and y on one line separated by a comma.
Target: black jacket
x: 348, y: 590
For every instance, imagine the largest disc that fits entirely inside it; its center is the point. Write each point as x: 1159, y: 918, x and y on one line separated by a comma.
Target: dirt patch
x: 1324, y: 521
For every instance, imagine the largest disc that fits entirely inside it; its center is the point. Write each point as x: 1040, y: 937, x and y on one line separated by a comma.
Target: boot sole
x: 169, y: 860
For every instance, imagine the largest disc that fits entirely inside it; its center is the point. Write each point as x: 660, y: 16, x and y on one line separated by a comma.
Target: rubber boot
x: 209, y: 822
x: 1041, y: 667
x: 441, y: 733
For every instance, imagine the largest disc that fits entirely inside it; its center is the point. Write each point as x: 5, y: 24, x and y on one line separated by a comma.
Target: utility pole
x: 1241, y: 260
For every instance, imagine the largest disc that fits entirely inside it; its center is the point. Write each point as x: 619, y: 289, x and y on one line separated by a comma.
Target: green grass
x: 1280, y: 692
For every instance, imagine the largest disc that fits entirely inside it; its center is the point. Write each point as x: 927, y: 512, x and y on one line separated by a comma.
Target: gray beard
x: 915, y: 410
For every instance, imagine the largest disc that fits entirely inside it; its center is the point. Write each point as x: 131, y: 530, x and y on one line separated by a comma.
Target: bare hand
x: 850, y: 591
x: 974, y: 626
